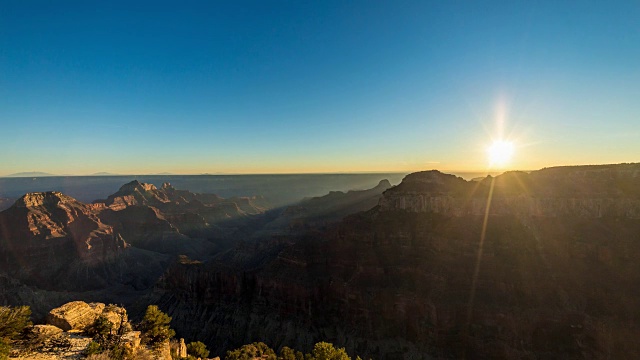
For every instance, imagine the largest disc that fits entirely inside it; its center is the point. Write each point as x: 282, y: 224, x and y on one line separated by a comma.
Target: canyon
x: 541, y: 264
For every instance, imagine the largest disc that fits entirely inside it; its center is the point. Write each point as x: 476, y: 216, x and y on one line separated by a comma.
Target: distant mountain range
x: 103, y: 173
x: 30, y: 174
x: 42, y: 174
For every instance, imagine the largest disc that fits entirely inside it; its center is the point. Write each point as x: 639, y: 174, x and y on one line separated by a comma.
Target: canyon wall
x: 554, y: 273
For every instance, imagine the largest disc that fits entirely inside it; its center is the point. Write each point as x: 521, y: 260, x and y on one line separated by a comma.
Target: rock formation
x: 182, y: 349
x: 174, y: 221
x: 318, y: 212
x: 549, y: 268
x: 586, y: 192
x: 44, y: 233
x: 76, y: 315
x: 171, y: 201
x: 79, y: 315
x: 69, y: 333
x: 422, y: 275
x: 56, y: 242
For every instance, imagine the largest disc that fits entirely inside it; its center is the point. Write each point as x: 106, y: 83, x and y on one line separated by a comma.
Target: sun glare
x: 500, y: 153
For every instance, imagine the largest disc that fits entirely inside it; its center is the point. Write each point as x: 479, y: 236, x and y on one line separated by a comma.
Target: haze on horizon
x: 316, y: 87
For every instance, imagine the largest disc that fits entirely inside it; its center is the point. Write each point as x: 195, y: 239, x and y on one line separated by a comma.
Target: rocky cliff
x: 320, y: 211
x: 54, y: 229
x: 424, y: 278
x: 587, y: 192
x: 169, y: 200
x: 174, y: 221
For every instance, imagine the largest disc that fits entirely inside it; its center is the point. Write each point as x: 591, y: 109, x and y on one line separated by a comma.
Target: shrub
x: 197, y: 349
x: 326, y: 351
x: 119, y: 352
x: 142, y: 354
x: 4, y: 349
x: 13, y: 320
x: 102, y: 356
x: 93, y: 348
x: 287, y: 353
x: 251, y: 351
x: 102, y: 327
x: 155, y: 326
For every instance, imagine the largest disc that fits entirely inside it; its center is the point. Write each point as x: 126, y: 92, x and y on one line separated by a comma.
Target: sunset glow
x: 500, y: 153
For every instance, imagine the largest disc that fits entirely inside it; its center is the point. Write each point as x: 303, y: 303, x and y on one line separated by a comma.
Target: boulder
x: 45, y: 331
x: 76, y: 315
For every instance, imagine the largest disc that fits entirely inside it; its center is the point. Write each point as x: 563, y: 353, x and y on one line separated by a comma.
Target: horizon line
x: 43, y: 174
x: 37, y: 174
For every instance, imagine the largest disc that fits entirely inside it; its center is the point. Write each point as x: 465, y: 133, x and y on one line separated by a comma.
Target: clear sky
x: 325, y: 86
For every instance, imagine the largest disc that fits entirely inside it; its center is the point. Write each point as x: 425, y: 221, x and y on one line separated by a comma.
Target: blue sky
x: 327, y: 86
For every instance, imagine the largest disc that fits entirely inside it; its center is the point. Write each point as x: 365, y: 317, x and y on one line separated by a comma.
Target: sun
x: 500, y: 153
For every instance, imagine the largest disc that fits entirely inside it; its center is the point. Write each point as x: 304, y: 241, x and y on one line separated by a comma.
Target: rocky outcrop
x: 117, y: 316
x: 163, y: 351
x: 61, y: 346
x: 171, y: 201
x: 131, y: 340
x: 53, y: 241
x: 56, y: 230
x: 572, y: 192
x: 49, y: 342
x: 521, y: 205
x: 136, y: 193
x: 76, y: 315
x: 173, y: 221
x: 80, y: 316
x: 44, y: 216
x: 182, y: 349
x: 45, y: 331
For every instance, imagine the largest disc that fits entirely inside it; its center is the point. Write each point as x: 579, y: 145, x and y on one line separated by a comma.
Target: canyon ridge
x: 540, y: 264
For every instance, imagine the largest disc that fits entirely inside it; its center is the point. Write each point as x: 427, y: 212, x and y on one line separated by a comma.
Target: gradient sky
x: 326, y: 86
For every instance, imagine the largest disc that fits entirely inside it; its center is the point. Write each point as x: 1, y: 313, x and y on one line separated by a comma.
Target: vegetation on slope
x: 13, y: 321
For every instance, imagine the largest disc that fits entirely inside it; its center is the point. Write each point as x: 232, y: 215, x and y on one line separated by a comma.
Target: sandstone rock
x: 76, y: 315
x: 131, y: 340
x: 182, y: 349
x: 63, y: 346
x: 97, y: 307
x: 116, y: 315
x: 44, y: 331
x: 164, y: 351
x: 50, y: 232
